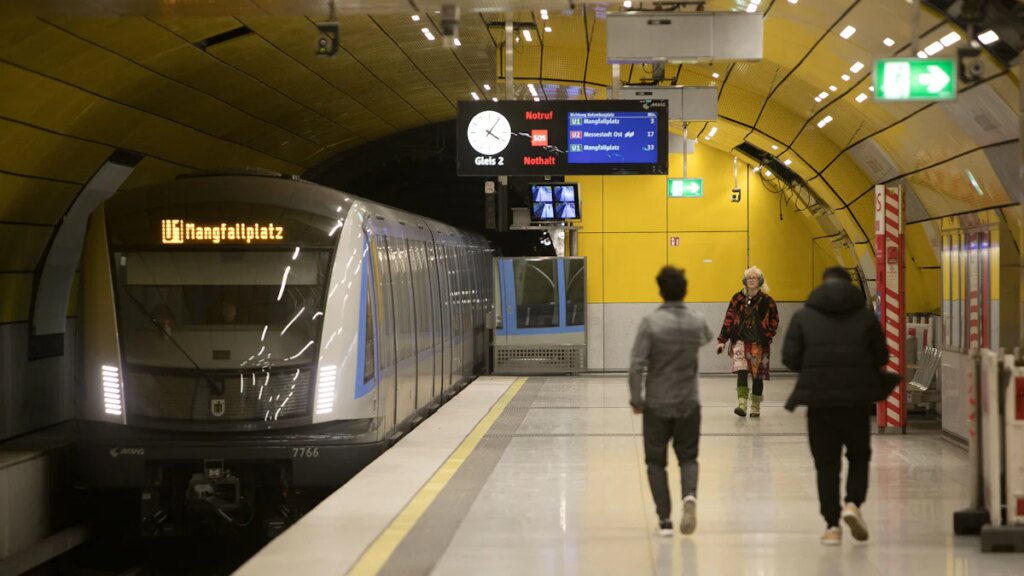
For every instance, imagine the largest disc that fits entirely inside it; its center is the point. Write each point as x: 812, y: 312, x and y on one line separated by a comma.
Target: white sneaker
x: 665, y: 527
x: 689, y: 522
x: 832, y: 536
x: 853, y: 519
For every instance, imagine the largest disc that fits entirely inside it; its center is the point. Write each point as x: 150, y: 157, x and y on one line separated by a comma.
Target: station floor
x: 546, y: 475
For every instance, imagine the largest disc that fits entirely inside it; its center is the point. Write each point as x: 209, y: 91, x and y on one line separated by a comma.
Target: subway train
x: 251, y: 341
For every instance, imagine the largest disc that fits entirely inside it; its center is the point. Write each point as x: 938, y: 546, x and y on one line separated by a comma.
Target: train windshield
x: 225, y: 336
x: 220, y: 310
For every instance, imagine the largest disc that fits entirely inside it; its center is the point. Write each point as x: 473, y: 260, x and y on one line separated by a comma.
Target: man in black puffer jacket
x: 837, y: 346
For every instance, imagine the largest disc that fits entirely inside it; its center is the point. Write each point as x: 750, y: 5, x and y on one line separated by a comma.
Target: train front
x: 224, y: 325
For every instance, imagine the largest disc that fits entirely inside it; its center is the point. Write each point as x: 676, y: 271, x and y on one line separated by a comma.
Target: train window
x: 575, y: 291
x: 536, y: 286
x: 220, y: 309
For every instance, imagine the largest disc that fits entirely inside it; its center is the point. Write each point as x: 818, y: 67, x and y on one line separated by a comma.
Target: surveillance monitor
x: 554, y: 201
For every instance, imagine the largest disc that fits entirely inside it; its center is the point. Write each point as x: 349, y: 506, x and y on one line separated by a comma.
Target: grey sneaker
x: 853, y: 519
x: 689, y: 522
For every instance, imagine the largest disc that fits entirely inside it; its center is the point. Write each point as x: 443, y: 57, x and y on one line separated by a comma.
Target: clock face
x: 489, y: 132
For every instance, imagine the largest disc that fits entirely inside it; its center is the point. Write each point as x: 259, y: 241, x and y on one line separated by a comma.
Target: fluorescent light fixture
x: 533, y: 91
x: 922, y: 54
x: 788, y: 162
x: 536, y: 98
x: 950, y: 39
x: 889, y: 42
x: 861, y: 97
x: 817, y: 99
x: 824, y: 121
x: 988, y: 37
x: 752, y: 8
x: 833, y: 88
x: 487, y: 87
x: 974, y: 183
x: 845, y: 77
x: 495, y: 98
x: 847, y: 32
x: 774, y: 147
x: 793, y: 1
x: 933, y: 48
x: 457, y: 42
x: 627, y: 4
x: 872, y: 88
x: 715, y: 74
x: 527, y: 35
x: 415, y: 17
x: 767, y: 172
x: 857, y: 67
x: 427, y: 33
x: 296, y: 254
x: 474, y: 95
x: 547, y: 29
x: 757, y: 168
x: 823, y: 95
x: 543, y: 14
x: 714, y: 130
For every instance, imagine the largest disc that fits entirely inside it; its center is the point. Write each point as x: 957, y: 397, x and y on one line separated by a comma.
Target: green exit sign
x: 900, y: 79
x: 685, y: 187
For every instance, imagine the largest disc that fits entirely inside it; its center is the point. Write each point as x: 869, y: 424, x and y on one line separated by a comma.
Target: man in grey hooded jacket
x: 666, y: 345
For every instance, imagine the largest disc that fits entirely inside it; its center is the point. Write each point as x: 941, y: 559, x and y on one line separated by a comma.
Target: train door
x: 405, y: 326
x: 445, y: 295
x: 387, y: 383
x: 437, y: 310
x: 455, y: 290
x: 422, y: 298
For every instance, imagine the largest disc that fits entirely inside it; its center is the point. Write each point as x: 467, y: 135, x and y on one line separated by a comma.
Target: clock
x: 489, y: 132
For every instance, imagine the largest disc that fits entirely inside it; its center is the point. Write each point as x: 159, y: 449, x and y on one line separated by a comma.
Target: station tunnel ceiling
x: 199, y: 85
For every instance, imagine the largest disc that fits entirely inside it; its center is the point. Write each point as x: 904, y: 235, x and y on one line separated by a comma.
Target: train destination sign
x: 562, y: 137
x: 901, y: 79
x: 174, y: 231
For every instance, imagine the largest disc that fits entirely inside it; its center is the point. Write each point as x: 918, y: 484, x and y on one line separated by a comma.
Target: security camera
x: 970, y: 64
x: 736, y: 194
x: 449, y: 24
x: 327, y: 43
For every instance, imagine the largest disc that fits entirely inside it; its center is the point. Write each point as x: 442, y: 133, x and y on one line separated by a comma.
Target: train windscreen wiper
x: 215, y: 385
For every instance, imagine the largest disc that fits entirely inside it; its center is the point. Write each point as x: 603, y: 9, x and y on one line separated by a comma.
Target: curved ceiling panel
x: 965, y: 185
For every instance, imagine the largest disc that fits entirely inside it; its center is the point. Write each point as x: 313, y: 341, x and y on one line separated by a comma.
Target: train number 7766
x: 309, y: 452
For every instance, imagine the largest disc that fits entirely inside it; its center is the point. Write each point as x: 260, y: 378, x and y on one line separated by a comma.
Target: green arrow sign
x: 900, y: 79
x: 685, y: 187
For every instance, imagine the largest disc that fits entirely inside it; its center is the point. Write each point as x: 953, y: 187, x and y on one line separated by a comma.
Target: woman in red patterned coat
x: 748, y: 328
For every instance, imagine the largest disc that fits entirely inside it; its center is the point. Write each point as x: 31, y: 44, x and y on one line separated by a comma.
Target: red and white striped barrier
x: 889, y: 281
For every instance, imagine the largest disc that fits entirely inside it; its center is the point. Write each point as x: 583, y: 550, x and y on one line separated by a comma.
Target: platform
x: 546, y: 476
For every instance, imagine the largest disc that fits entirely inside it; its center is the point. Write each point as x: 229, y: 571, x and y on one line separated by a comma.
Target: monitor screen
x: 558, y: 201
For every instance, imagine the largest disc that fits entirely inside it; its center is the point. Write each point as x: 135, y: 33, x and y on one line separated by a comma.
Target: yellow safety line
x: 384, y: 546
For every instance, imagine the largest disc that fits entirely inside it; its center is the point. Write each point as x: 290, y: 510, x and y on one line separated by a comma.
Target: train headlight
x: 325, y: 389
x: 112, y: 402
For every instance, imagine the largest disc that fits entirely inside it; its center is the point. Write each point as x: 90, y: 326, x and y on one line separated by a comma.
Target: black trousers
x: 684, y: 432
x: 741, y: 382
x: 829, y: 429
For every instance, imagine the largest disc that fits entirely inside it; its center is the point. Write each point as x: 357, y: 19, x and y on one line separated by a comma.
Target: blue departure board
x: 613, y: 137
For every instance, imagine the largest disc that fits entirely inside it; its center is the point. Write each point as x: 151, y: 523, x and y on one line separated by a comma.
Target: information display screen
x: 554, y: 201
x: 562, y: 138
